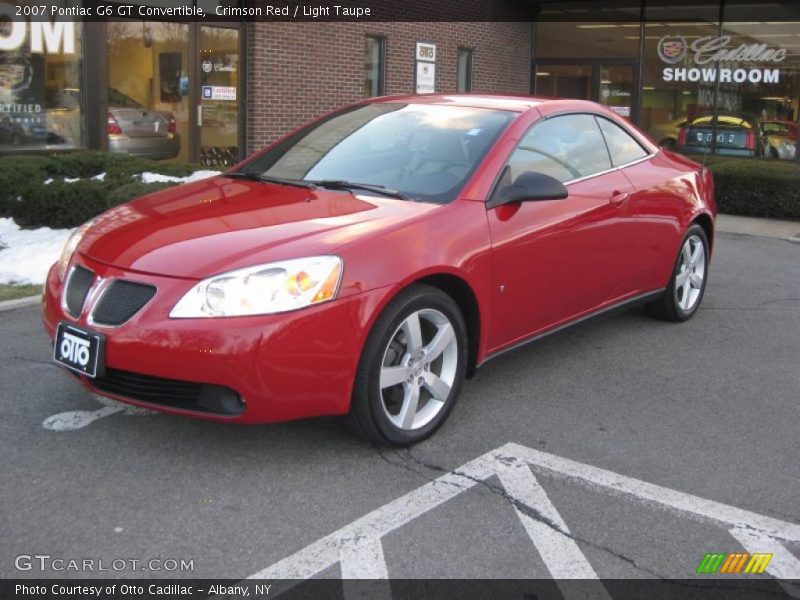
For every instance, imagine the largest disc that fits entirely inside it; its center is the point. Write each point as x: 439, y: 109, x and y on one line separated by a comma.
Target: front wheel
x: 688, y: 283
x: 411, y: 369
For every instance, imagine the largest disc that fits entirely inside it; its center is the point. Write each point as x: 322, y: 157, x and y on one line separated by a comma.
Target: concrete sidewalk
x: 773, y: 228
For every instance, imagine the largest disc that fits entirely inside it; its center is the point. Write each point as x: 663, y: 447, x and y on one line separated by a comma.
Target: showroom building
x: 213, y: 91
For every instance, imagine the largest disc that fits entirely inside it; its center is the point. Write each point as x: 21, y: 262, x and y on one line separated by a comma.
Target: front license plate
x: 79, y: 350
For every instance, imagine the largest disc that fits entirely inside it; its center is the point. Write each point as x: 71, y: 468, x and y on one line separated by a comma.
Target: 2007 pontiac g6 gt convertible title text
x: 366, y: 263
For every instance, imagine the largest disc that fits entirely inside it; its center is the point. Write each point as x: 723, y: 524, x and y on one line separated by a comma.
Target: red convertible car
x: 368, y: 262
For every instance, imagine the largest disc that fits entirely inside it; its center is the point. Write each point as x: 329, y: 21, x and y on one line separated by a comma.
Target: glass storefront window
x: 557, y: 39
x: 744, y: 72
x: 667, y: 103
x: 40, y: 83
x: 762, y: 81
x: 148, y: 88
x: 219, y: 80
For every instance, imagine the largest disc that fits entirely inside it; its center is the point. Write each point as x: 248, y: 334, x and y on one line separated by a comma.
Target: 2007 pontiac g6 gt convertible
x: 368, y: 262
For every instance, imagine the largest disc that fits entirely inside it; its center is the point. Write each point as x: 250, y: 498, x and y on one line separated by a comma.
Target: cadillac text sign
x: 737, y: 64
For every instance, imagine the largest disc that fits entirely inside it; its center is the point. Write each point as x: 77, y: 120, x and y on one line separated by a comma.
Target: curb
x: 20, y: 303
x: 794, y: 238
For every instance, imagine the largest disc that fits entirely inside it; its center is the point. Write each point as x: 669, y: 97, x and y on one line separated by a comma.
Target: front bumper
x: 286, y: 366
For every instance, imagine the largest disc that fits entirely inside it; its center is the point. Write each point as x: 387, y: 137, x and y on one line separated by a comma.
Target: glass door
x: 616, y: 88
x: 611, y: 82
x: 218, y: 109
x: 564, y: 81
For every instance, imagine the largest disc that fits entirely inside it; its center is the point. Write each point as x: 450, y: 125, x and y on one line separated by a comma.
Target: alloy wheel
x: 418, y: 369
x: 691, y: 273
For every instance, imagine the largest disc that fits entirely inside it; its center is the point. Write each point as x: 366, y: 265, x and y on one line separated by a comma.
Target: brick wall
x: 297, y: 71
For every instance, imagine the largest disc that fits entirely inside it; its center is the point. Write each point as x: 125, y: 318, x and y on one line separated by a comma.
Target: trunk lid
x: 139, y: 122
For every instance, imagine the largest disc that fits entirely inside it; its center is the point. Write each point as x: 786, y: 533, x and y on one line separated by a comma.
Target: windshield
x: 424, y: 151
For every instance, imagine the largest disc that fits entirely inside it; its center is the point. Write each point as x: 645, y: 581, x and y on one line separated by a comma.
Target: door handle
x: 619, y: 198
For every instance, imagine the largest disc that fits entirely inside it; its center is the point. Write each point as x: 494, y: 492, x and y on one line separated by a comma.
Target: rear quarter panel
x: 670, y: 193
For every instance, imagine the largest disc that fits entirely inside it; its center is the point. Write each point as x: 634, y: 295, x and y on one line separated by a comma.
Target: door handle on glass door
x: 619, y: 198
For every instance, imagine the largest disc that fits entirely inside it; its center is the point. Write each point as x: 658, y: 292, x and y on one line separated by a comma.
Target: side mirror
x: 529, y: 186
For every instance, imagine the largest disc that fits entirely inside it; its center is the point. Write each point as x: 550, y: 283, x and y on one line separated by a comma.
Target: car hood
x: 219, y: 224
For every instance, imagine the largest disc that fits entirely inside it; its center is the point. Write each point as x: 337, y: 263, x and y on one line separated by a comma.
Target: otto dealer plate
x: 78, y: 350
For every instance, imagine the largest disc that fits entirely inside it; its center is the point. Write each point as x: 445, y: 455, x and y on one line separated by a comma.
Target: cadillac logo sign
x: 672, y: 48
x: 713, y: 58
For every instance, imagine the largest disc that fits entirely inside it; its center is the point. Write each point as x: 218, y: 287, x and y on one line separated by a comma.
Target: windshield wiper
x: 338, y: 184
x: 267, y: 179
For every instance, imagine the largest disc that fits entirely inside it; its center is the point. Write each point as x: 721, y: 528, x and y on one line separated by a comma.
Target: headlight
x: 69, y: 247
x: 788, y: 148
x: 263, y: 289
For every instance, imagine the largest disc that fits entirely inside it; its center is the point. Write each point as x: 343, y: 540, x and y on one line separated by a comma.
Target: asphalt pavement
x: 708, y: 410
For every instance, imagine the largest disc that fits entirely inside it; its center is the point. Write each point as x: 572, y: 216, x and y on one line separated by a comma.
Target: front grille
x: 78, y: 286
x: 120, y: 301
x: 186, y: 395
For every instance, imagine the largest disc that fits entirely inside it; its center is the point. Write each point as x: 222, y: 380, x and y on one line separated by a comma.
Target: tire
x: 383, y: 415
x: 773, y: 154
x: 675, y: 305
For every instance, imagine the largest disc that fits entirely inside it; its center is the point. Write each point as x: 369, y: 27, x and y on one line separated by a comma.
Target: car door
x: 555, y: 260
x: 641, y: 228
x: 662, y: 193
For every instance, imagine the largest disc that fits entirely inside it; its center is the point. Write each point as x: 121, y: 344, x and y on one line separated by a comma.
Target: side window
x: 567, y: 147
x: 621, y: 145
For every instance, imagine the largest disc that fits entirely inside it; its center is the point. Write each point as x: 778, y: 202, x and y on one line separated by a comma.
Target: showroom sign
x: 56, y: 37
x: 674, y: 49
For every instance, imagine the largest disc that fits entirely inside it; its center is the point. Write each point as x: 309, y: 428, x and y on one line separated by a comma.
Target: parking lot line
x: 357, y: 546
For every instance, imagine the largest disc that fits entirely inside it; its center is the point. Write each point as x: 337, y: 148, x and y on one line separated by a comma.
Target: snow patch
x: 29, y: 253
x: 148, y: 177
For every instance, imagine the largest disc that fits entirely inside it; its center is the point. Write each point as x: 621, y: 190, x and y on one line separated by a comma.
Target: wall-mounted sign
x: 219, y: 92
x: 622, y: 111
x: 426, y: 77
x: 707, y: 51
x: 426, y: 52
x: 425, y: 81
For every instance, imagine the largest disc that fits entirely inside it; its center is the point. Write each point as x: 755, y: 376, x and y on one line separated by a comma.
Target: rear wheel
x: 688, y: 283
x: 411, y: 369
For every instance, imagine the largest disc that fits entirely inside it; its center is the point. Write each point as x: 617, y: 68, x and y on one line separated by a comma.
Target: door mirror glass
x: 529, y: 186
